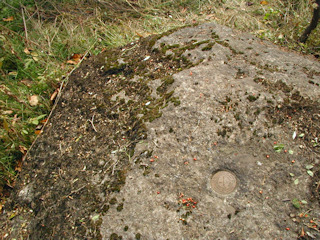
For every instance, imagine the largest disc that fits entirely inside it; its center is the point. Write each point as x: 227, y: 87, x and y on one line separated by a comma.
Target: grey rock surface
x: 226, y: 99
x: 205, y: 126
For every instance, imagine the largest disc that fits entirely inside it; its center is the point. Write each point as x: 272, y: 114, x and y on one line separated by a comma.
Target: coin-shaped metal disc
x: 224, y: 182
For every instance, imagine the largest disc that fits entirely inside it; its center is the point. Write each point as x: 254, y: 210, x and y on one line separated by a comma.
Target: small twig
x: 114, y: 166
x: 128, y: 155
x: 91, y: 121
x: 108, y: 167
x: 307, y: 211
x: 24, y: 24
x: 155, y: 143
x: 76, y: 191
x: 106, y: 163
x: 310, y: 227
x: 60, y: 147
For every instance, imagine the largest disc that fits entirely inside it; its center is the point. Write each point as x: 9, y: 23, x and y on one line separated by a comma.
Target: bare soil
x: 131, y: 148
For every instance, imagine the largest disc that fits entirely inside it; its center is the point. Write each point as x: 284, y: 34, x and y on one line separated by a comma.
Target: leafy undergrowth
x: 42, y: 42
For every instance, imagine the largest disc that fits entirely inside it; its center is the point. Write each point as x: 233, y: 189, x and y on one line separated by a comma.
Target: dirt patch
x: 140, y: 130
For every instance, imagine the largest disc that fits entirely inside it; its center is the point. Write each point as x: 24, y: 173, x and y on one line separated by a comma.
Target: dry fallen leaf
x: 33, y: 100
x: 43, y: 121
x: 139, y: 35
x: 18, y: 167
x: 75, y: 56
x: 75, y: 59
x: 9, y: 19
x: 26, y: 82
x: 7, y: 112
x: 38, y: 130
x: 103, y: 49
x: 34, y: 54
x: 54, y: 95
x: 72, y: 62
x: 26, y: 51
x: 264, y: 3
x: 23, y: 149
x: 13, y: 73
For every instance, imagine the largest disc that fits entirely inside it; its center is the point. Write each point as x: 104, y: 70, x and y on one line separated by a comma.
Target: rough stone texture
x: 240, y: 95
x: 204, y: 112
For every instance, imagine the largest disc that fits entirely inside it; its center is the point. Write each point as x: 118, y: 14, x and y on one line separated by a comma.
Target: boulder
x: 202, y: 132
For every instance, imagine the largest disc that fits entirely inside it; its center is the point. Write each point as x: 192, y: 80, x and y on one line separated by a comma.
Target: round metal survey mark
x: 224, y: 182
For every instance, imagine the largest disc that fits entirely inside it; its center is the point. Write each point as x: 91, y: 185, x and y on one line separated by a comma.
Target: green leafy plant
x: 309, y: 171
x: 278, y: 147
x: 315, y: 142
x: 298, y: 203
